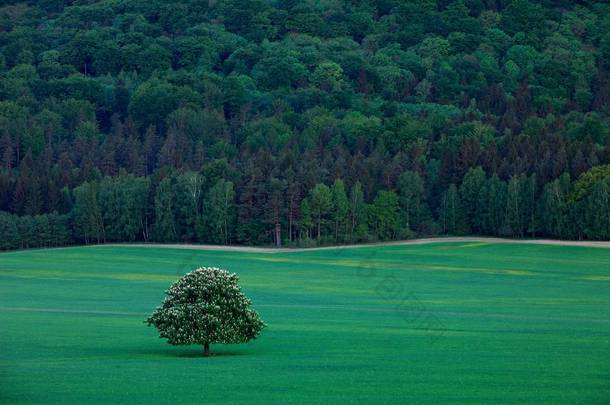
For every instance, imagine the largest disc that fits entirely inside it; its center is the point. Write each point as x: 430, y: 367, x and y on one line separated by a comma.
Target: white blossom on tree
x: 206, y: 306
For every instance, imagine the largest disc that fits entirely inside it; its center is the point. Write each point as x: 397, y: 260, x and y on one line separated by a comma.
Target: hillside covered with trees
x: 302, y: 122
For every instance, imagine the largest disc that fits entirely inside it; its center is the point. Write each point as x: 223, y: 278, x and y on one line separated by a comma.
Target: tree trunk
x: 278, y: 235
x: 336, y: 230
x: 290, y: 215
x: 206, y: 349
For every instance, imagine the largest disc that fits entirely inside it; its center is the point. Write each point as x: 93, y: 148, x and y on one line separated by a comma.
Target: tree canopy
x: 204, y: 307
x: 251, y: 121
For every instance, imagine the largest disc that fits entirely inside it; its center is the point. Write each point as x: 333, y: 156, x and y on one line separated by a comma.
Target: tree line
x: 256, y: 122
x: 203, y: 208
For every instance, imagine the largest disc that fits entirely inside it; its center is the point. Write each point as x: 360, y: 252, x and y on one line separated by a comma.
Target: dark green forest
x: 302, y: 122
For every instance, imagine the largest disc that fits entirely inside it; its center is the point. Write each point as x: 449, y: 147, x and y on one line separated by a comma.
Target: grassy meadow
x: 446, y: 322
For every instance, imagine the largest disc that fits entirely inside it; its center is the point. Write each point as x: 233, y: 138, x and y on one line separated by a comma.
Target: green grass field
x: 447, y: 322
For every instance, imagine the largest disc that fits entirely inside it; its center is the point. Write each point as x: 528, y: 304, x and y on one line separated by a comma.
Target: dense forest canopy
x: 302, y: 122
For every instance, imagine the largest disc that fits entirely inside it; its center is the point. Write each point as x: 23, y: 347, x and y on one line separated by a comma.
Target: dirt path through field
x: 604, y: 244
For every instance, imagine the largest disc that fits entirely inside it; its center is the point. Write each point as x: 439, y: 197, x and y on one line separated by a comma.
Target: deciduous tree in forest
x: 384, y: 214
x: 452, y: 215
x: 411, y: 189
x: 340, y: 209
x: 470, y: 195
x: 219, y: 212
x: 357, y: 208
x: 165, y: 223
x: 88, y: 213
x: 320, y: 200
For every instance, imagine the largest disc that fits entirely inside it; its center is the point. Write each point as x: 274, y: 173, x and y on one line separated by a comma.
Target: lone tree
x: 206, y: 306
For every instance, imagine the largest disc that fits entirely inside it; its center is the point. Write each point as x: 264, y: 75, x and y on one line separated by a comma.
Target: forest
x: 302, y: 123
